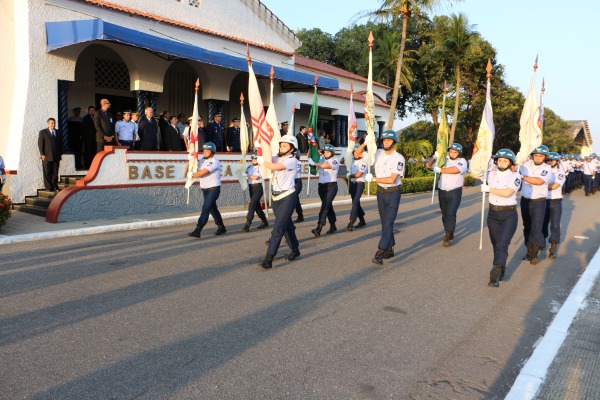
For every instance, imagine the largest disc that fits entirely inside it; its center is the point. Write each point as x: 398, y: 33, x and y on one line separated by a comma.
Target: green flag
x: 313, y: 136
x: 442, y: 137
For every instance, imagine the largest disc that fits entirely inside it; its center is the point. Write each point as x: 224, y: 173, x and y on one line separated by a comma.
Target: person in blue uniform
x: 389, y: 169
x: 502, y: 186
x: 215, y: 132
x: 298, y: 187
x: 589, y: 173
x: 209, y: 172
x: 284, y: 168
x: 534, y: 191
x: 256, y: 192
x: 554, y: 203
x: 452, y: 177
x: 328, y: 169
x: 356, y: 187
x: 233, y: 136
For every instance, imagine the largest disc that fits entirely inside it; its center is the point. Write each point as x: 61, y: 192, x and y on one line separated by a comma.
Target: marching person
x: 450, y: 185
x: 298, y: 187
x: 389, y: 169
x: 328, y: 169
x: 256, y: 192
x: 284, y: 168
x: 589, y: 173
x: 502, y: 185
x: 209, y: 172
x: 534, y: 191
x: 356, y: 187
x: 554, y: 203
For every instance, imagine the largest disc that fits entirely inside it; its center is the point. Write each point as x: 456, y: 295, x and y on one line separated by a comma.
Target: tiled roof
x: 330, y: 69
x: 154, y: 17
x: 345, y: 94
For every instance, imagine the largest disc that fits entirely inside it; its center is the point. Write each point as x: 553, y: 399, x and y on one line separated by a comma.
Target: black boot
x: 534, y: 254
x: 527, y: 256
x: 503, y: 272
x: 293, y: 255
x: 389, y: 253
x: 263, y: 224
x: 361, y: 222
x: 317, y: 230
x: 552, y: 251
x: 246, y: 227
x: 267, y: 262
x: 220, y: 229
x: 446, y: 242
x: 378, y: 259
x: 495, y: 276
x: 300, y: 218
x: 196, y: 232
x: 350, y: 226
x: 332, y: 229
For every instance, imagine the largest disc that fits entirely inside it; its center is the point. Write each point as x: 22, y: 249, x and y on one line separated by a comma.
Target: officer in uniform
x: 256, y: 192
x: 328, y: 169
x: 215, y: 132
x: 596, y: 164
x: 209, y: 172
x: 589, y: 172
x: 356, y: 187
x: 554, y: 203
x: 502, y: 185
x: 233, y: 136
x: 298, y: 187
x: 284, y: 168
x: 534, y: 191
x: 450, y: 188
x: 389, y: 169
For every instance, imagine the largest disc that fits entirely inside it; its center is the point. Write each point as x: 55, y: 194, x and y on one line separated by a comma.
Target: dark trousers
x: 99, y: 147
x: 283, y: 225
x: 327, y: 193
x: 532, y: 214
x: 127, y: 143
x: 388, y: 204
x: 298, y: 189
x: 256, y: 192
x: 51, y: 174
x: 449, y: 203
x: 552, y: 219
x: 596, y: 182
x: 75, y: 146
x: 356, y: 190
x: 587, y: 183
x: 210, y: 206
x: 89, y: 151
x: 502, y: 226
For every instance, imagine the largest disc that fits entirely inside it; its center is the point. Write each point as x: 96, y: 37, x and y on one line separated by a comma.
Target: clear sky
x: 565, y: 34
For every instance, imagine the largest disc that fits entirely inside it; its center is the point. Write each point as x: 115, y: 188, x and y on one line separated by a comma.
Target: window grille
x: 111, y: 74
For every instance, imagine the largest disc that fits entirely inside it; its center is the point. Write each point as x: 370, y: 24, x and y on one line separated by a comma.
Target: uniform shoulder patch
x: 400, y: 164
x: 544, y: 173
x: 334, y: 162
x: 561, y: 176
x: 517, y: 182
x: 459, y: 163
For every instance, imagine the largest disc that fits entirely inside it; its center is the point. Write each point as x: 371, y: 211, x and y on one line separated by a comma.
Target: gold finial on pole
x: 371, y: 40
x: 242, y: 98
x: 272, y: 73
x: 294, y: 108
x: 316, y: 80
x: 351, y: 87
x: 543, y: 85
x: 248, y: 54
x: 489, y: 69
x: 445, y: 89
x: 197, y: 85
x: 535, y: 66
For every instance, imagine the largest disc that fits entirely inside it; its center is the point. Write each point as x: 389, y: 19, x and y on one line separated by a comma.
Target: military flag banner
x: 351, y: 131
x: 482, y: 151
x: 193, y: 144
x: 530, y: 134
x: 370, y: 108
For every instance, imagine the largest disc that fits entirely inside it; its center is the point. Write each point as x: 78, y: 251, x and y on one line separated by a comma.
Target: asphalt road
x: 154, y: 314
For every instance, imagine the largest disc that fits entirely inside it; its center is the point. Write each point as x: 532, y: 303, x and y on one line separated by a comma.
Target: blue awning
x: 66, y: 33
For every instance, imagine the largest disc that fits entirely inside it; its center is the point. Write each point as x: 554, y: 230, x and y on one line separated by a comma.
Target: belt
x: 328, y: 184
x: 211, y: 189
x: 553, y: 200
x: 297, y: 179
x: 502, y: 208
x: 255, y: 184
x: 533, y: 200
x: 280, y: 195
x: 381, y: 189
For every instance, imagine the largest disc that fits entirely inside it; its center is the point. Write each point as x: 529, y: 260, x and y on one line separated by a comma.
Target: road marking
x: 581, y: 237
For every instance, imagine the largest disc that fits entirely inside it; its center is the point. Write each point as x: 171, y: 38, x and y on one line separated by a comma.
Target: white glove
x: 369, y: 177
x: 348, y: 175
x: 437, y: 170
x: 190, y: 175
x: 485, y: 188
x: 311, y: 161
x: 244, y: 175
x: 260, y: 160
x: 436, y: 155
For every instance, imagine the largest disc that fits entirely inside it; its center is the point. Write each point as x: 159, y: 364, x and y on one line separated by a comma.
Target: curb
x: 141, y: 225
x: 534, y: 371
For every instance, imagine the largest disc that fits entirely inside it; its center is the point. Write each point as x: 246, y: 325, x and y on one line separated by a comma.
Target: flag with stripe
x: 262, y: 137
x: 482, y: 152
x: 370, y: 108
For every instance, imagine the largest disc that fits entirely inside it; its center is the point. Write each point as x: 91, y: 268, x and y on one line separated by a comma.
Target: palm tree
x: 386, y: 57
x: 391, y: 9
x: 416, y: 149
x: 461, y: 41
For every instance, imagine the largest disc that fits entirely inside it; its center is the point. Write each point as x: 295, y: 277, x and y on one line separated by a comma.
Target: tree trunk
x: 456, y: 101
x: 390, y: 122
x: 434, y: 117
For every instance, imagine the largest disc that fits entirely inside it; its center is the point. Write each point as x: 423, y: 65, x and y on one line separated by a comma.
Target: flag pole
x: 193, y: 151
x: 307, y: 154
x: 244, y: 149
x: 485, y: 173
x: 445, y: 92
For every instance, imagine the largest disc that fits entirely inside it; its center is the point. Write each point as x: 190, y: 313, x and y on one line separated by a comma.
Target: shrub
x: 5, y: 207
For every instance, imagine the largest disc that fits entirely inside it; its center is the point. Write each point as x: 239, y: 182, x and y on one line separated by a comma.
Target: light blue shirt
x: 504, y: 180
x: 386, y: 165
x: 213, y: 178
x: 327, y: 175
x: 285, y: 179
x: 253, y: 170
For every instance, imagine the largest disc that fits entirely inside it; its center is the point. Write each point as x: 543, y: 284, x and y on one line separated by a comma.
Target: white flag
x: 530, y: 134
x: 485, y: 138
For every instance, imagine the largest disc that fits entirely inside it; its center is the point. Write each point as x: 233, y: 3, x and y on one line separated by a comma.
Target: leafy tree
x: 557, y: 133
x: 385, y: 59
x: 316, y: 45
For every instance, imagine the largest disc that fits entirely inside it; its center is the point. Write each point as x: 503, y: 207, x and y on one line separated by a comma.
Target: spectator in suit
x: 2, y: 173
x: 104, y: 123
x: 148, y: 131
x: 89, y: 137
x: 163, y: 123
x: 74, y: 131
x: 284, y: 128
x: 50, y: 147
x: 172, y: 139
x: 302, y: 140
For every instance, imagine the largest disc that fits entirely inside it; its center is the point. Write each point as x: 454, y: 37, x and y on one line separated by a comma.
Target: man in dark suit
x: 75, y: 134
x: 163, y: 124
x: 215, y: 132
x: 50, y: 146
x: 172, y: 138
x: 233, y: 136
x: 148, y: 131
x: 89, y: 137
x: 302, y: 140
x: 104, y: 123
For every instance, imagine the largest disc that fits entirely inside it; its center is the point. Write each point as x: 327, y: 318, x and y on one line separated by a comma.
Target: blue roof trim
x: 66, y: 33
